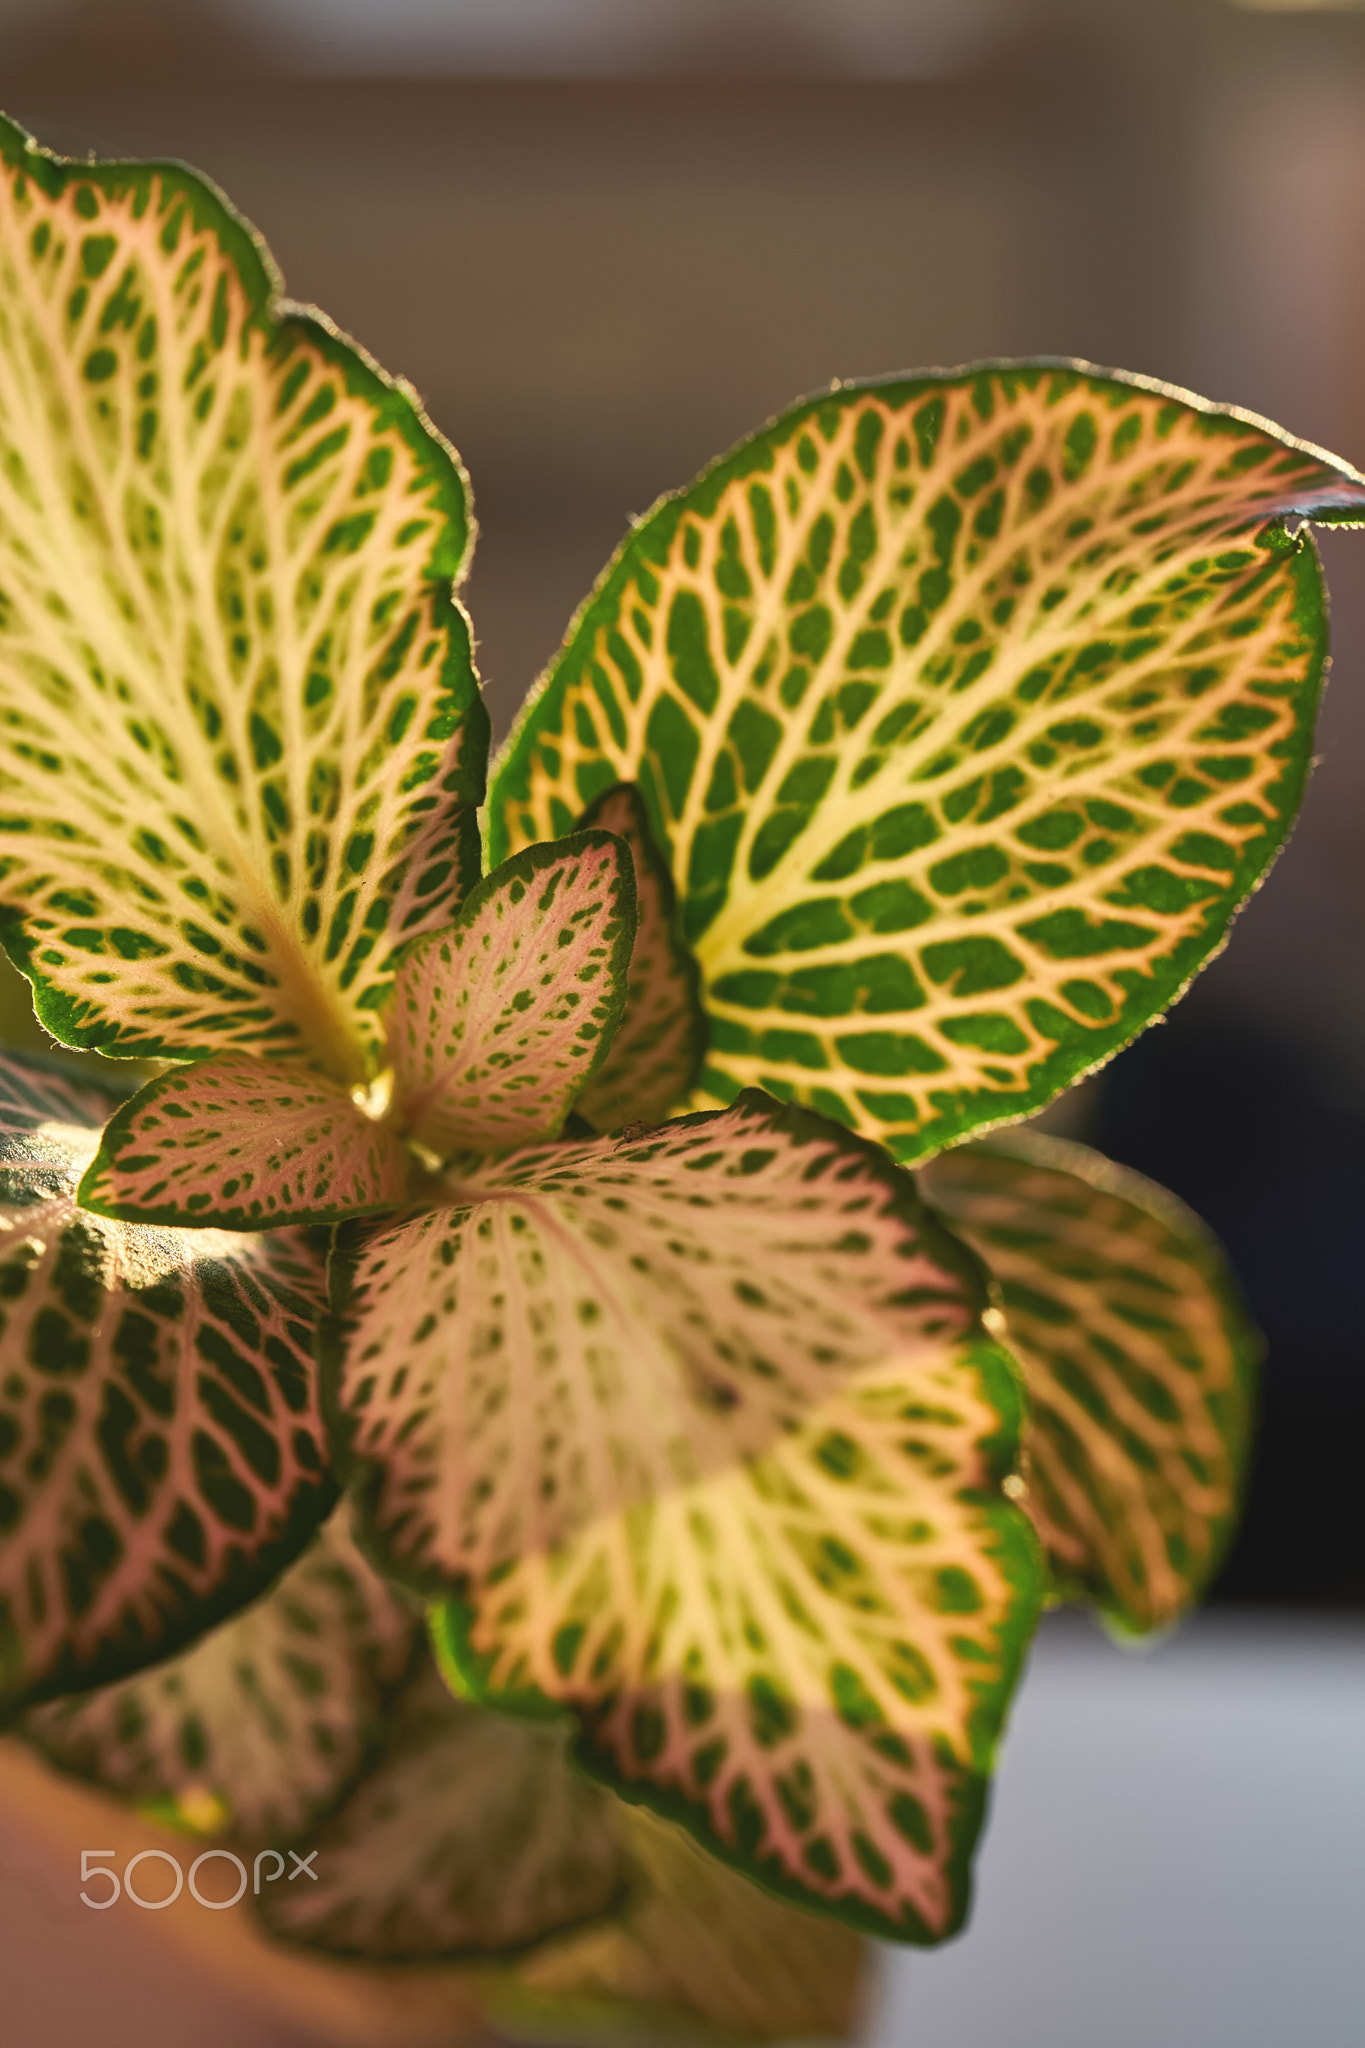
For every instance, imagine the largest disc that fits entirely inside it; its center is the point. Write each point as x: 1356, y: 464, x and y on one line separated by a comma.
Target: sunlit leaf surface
x: 1140, y: 1359
x: 702, y: 1431
x: 262, y: 1725
x: 161, y: 1453
x: 472, y: 1835
x: 240, y: 737
x: 244, y: 1143
x: 654, y: 1057
x: 968, y: 709
x: 498, y: 1023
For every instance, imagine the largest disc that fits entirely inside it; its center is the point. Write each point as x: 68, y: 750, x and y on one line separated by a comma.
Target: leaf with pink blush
x: 703, y: 1435
x: 498, y: 1023
x: 657, y: 1051
x: 243, y: 1144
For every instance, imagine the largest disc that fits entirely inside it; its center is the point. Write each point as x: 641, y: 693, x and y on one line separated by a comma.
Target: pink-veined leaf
x: 1140, y: 1359
x: 244, y: 1144
x: 242, y: 739
x: 161, y: 1452
x: 654, y: 1057
x: 472, y: 1835
x: 262, y: 1725
x: 499, y: 1022
x: 703, y: 1434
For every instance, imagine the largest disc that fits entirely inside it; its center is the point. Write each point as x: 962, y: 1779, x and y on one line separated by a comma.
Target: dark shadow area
x: 1265, y: 1139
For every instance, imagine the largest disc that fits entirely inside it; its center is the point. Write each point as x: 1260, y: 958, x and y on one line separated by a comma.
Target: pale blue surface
x: 1176, y: 1855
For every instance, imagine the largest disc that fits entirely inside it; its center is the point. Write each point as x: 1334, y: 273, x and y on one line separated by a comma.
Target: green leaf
x: 472, y: 1835
x: 244, y: 1143
x: 241, y: 740
x: 497, y: 1023
x: 967, y: 709
x: 161, y: 1454
x: 702, y: 1432
x: 655, y: 1056
x: 264, y: 1724
x: 694, y: 1943
x: 1140, y: 1359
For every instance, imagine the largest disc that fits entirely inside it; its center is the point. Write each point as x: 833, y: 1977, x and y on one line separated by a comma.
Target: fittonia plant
x: 894, y: 775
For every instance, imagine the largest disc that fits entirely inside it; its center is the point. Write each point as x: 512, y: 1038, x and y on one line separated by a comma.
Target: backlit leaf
x: 161, y: 1453
x: 967, y: 709
x: 244, y: 1143
x: 472, y: 1834
x: 263, y: 1724
x: 497, y: 1023
x: 1140, y: 1359
x: 695, y: 1942
x: 652, y: 1065
x: 240, y: 734
x: 702, y: 1432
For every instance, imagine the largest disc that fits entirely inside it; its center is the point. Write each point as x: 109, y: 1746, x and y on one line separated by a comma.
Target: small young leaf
x: 967, y: 710
x: 161, y: 1452
x: 1140, y: 1359
x: 244, y: 1143
x: 497, y: 1023
x: 701, y: 1432
x: 695, y: 1942
x: 656, y: 1053
x: 262, y: 1726
x: 242, y: 740
x: 472, y: 1835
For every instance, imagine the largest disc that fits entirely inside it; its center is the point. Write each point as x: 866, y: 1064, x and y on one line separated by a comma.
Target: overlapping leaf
x: 654, y: 1058
x: 967, y: 708
x: 263, y: 1724
x: 244, y: 1143
x: 498, y: 1023
x: 1139, y: 1356
x: 161, y: 1452
x: 694, y: 1943
x: 471, y: 1835
x: 719, y: 1470
x: 240, y: 736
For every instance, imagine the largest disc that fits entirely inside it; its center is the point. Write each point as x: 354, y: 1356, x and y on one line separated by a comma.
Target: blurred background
x: 604, y: 238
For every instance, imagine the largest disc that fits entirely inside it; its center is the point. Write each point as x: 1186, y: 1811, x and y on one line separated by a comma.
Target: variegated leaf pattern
x: 968, y: 708
x: 701, y: 1430
x: 472, y: 1835
x: 264, y: 1724
x: 656, y: 1053
x: 499, y: 1022
x: 694, y: 1943
x: 243, y: 1144
x: 47, y: 1110
x: 1140, y: 1359
x: 161, y: 1452
x: 241, y: 740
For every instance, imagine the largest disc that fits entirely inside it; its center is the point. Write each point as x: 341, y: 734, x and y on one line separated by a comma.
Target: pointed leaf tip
x: 244, y: 1144
x: 242, y: 737
x: 656, y: 1053
x: 498, y: 1023
x: 720, y: 1472
x: 966, y: 710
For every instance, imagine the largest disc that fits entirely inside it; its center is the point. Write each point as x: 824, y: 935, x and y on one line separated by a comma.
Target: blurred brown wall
x: 597, y: 286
